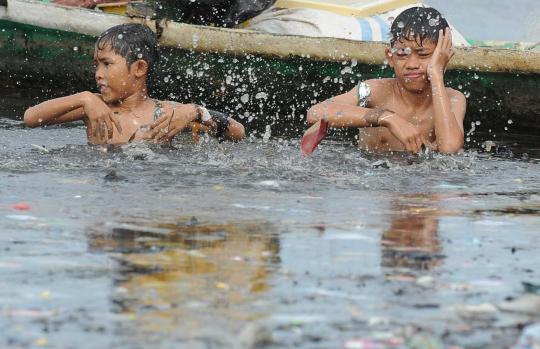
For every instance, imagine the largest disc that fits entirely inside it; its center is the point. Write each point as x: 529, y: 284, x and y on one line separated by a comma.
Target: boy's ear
x: 140, y: 68
x: 389, y: 57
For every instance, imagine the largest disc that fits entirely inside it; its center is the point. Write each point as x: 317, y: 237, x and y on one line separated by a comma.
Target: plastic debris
x: 424, y: 341
x: 530, y: 287
x: 21, y: 206
x: 425, y: 281
x: 45, y: 294
x: 313, y: 136
x: 485, y: 311
x: 21, y: 217
x: 363, y: 343
x: 113, y: 176
x: 28, y: 313
x: 254, y: 336
x: 528, y: 304
x: 222, y: 285
x: 40, y: 148
x: 530, y: 338
x: 41, y: 342
x: 269, y: 183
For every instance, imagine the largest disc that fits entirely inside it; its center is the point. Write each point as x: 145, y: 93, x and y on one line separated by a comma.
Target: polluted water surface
x: 252, y: 245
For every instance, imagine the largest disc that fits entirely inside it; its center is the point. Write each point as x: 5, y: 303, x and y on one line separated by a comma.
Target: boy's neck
x: 418, y: 99
x: 133, y: 101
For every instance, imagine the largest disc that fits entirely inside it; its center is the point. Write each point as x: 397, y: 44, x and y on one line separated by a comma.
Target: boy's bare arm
x: 56, y: 111
x: 180, y: 116
x: 449, y: 105
x: 343, y: 112
x: 235, y: 131
x: 81, y: 106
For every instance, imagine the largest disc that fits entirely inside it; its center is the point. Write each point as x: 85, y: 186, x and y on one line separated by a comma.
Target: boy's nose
x: 412, y: 62
x: 98, y: 74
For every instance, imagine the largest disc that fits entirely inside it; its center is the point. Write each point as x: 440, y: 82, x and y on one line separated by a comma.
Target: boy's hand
x: 100, y: 118
x: 167, y: 127
x: 405, y: 132
x: 442, y: 54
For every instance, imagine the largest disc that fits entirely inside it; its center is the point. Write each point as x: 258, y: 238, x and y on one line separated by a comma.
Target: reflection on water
x: 190, y: 279
x: 252, y: 245
x: 412, y: 241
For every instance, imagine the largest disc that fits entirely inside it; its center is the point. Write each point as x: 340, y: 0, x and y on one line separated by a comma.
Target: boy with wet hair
x: 413, y: 109
x: 124, y: 58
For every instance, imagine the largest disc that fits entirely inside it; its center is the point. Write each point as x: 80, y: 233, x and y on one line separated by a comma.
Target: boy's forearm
x: 345, y: 116
x: 235, y: 131
x: 47, y: 112
x: 448, y: 132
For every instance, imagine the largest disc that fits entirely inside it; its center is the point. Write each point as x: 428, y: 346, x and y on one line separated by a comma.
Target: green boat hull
x: 263, y: 91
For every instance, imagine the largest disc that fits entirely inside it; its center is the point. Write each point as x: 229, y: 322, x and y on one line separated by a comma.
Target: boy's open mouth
x: 102, y: 88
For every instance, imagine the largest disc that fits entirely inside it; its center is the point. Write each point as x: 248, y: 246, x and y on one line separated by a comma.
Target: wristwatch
x: 222, y: 121
x: 204, y: 115
x: 364, y: 92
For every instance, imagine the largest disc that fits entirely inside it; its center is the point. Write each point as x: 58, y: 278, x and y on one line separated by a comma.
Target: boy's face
x: 115, y: 80
x: 410, y: 62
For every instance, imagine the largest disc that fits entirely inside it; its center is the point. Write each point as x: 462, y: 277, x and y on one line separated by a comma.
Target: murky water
x: 252, y: 245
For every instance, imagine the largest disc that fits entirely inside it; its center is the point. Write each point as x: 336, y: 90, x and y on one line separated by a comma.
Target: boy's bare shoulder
x: 174, y: 104
x: 381, y: 89
x: 380, y: 85
x: 458, y: 95
x: 169, y: 106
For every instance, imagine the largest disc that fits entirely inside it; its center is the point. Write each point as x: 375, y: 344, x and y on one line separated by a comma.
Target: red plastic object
x: 21, y: 206
x: 313, y: 136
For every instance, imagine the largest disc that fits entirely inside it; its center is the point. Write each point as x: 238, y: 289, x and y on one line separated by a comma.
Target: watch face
x: 205, y: 115
x: 364, y: 91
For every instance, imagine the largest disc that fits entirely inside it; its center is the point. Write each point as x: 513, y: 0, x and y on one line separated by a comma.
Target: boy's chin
x: 415, y: 86
x: 108, y: 98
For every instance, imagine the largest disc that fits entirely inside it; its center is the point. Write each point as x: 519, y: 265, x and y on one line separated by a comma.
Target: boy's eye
x: 402, y: 52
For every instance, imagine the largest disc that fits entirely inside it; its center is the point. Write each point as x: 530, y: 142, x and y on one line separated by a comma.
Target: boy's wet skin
x: 410, y: 93
x: 414, y: 109
x: 122, y: 111
x: 129, y: 107
x: 123, y: 92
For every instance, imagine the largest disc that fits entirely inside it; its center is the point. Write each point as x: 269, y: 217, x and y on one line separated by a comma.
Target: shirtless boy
x: 413, y: 109
x: 122, y: 112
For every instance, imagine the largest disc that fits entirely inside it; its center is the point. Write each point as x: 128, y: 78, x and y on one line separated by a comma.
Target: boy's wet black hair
x: 418, y: 23
x: 133, y: 42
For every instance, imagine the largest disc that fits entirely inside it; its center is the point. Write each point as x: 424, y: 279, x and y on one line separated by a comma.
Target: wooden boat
x: 268, y: 80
